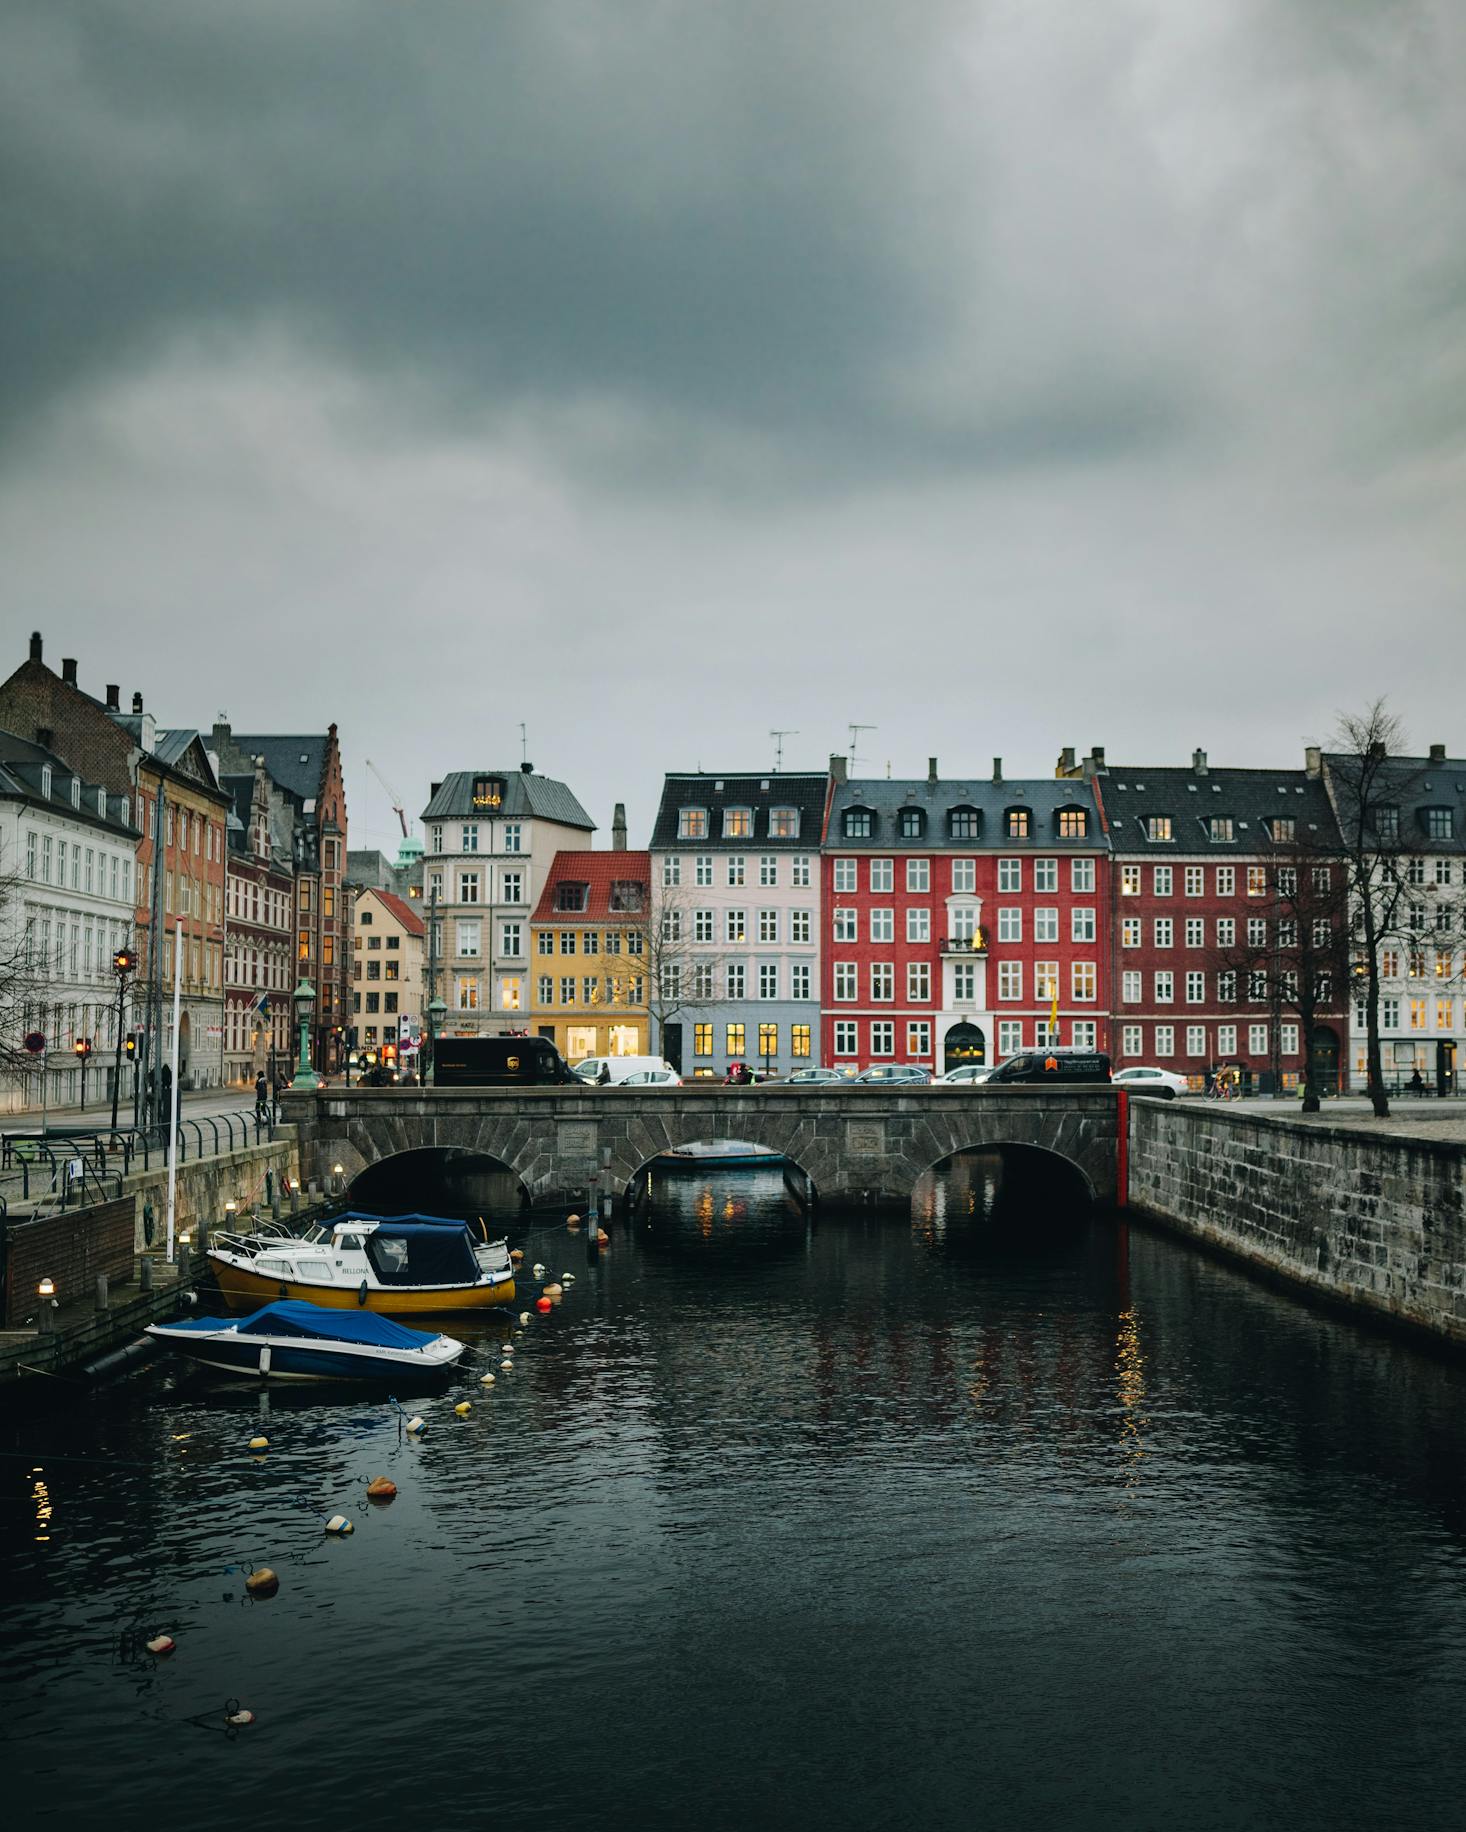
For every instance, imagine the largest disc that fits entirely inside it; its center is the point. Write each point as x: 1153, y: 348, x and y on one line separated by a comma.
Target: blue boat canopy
x: 312, y: 1322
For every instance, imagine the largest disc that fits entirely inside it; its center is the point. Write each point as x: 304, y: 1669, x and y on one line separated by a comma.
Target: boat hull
x: 243, y: 1290
x: 284, y: 1360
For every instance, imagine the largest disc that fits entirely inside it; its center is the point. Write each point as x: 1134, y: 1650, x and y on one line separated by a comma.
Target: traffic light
x: 129, y: 1047
x: 83, y: 1047
x: 124, y: 961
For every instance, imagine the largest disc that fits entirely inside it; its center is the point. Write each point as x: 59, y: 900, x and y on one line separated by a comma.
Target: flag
x: 1054, y: 1016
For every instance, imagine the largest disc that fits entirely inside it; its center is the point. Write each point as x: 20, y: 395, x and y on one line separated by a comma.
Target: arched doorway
x: 964, y: 1043
x: 1326, y: 1057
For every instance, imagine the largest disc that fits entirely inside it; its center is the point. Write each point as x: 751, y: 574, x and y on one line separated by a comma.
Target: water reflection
x: 990, y: 1204
x: 728, y: 1216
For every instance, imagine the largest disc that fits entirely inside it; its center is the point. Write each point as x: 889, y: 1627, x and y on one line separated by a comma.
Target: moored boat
x: 291, y: 1340
x: 400, y: 1265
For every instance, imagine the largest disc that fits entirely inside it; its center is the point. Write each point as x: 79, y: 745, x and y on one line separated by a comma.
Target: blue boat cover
x: 294, y: 1317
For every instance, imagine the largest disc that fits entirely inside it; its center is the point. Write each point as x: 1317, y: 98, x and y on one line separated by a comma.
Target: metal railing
x: 45, y: 1155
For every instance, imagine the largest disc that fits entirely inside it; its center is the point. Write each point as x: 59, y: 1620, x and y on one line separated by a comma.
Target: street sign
x: 35, y: 1042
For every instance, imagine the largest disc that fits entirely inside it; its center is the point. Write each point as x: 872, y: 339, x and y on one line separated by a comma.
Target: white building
x: 490, y: 839
x: 67, y: 851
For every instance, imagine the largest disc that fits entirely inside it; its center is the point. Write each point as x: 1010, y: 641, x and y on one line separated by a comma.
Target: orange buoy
x: 516, y: 1254
x: 161, y: 1644
x: 603, y: 1239
x: 380, y: 1488
x: 542, y: 1305
x: 262, y: 1583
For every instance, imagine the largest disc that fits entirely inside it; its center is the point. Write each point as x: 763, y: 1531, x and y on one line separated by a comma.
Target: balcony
x: 972, y: 946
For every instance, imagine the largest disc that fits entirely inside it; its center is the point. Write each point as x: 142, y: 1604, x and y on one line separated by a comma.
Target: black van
x: 1053, y: 1065
x: 499, y: 1062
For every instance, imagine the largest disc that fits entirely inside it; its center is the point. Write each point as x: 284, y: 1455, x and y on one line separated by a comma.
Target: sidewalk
x: 1410, y: 1116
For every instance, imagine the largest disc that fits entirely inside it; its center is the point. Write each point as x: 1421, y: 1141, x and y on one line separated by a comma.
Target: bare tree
x: 24, y: 980
x: 683, y: 973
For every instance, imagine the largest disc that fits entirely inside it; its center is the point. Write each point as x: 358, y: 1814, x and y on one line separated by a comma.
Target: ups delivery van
x: 498, y: 1062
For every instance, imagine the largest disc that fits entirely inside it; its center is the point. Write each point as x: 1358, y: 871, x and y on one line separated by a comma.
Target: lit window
x: 737, y: 823
x: 1129, y: 880
x: 919, y: 1038
x: 783, y: 823
x: 702, y: 1039
x: 1083, y: 980
x: 1015, y: 824
x: 1073, y: 823
x: 733, y: 1040
x: 1158, y: 827
x: 692, y: 824
x: 768, y: 1040
x: 1218, y: 828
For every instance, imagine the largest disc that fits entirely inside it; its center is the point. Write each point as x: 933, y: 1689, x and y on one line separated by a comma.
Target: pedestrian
x: 166, y: 1084
x: 262, y: 1097
x: 603, y: 1075
x: 1417, y: 1082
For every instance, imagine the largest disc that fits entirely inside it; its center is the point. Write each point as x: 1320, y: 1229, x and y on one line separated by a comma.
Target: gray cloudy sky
x: 1003, y: 375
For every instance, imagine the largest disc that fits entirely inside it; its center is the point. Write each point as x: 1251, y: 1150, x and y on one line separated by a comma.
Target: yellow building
x: 588, y: 960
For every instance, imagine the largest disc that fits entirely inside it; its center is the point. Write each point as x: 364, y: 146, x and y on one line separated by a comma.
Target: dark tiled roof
x: 21, y: 764
x: 760, y: 791
x: 1043, y: 797
x: 1415, y: 785
x: 297, y: 764
x: 1247, y: 799
x: 598, y: 871
x: 526, y: 797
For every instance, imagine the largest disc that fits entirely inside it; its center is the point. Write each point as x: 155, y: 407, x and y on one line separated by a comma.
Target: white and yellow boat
x: 401, y: 1265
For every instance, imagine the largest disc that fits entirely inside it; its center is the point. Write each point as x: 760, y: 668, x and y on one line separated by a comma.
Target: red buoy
x: 543, y: 1304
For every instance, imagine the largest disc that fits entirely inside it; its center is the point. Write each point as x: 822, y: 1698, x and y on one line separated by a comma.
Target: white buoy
x: 486, y: 1380
x: 240, y: 1718
x: 417, y: 1426
x: 161, y: 1644
x: 506, y: 1367
x: 538, y: 1270
x: 339, y: 1525
x: 523, y: 1318
x: 567, y: 1278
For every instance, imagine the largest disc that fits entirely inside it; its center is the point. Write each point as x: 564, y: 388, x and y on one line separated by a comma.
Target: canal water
x: 997, y: 1516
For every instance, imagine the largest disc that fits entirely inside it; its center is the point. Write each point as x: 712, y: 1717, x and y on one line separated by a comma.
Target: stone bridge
x: 853, y: 1143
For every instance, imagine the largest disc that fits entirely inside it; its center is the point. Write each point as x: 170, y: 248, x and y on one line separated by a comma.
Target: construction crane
x: 392, y: 795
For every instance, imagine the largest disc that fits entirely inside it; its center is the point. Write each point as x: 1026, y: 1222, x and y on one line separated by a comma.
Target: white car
x: 967, y: 1073
x: 1165, y: 1084
x: 652, y: 1078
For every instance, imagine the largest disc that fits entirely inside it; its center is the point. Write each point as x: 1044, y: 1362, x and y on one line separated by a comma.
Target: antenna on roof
x: 789, y: 731
x: 523, y: 743
x: 855, y: 731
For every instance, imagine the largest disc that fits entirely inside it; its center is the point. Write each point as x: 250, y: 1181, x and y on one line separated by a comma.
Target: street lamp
x: 124, y: 962
x: 437, y: 1011
x: 83, y: 1048
x: 306, y: 1078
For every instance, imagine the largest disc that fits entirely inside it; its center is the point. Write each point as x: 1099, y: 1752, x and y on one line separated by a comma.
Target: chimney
x: 526, y: 768
x: 1066, y: 762
x: 68, y: 670
x: 137, y: 705
x: 114, y: 703
x: 1377, y: 751
x: 931, y: 771
x: 433, y: 790
x: 618, y: 828
x: 1313, y: 760
x: 1437, y: 753
x: 35, y: 645
x: 43, y: 737
x: 997, y: 769
x: 221, y: 734
x: 1198, y: 763
x: 1094, y: 763
x: 838, y: 772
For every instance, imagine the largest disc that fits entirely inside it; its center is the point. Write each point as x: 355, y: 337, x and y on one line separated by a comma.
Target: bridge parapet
x: 853, y: 1142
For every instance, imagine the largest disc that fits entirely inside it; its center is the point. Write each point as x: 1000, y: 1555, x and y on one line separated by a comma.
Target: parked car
x: 888, y: 1072
x: 652, y: 1078
x: 1165, y: 1084
x: 967, y: 1074
x: 1053, y: 1065
x: 614, y: 1071
x: 805, y: 1077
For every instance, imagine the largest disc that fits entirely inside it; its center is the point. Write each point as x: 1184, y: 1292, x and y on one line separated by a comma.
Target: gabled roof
x: 526, y: 797
x: 179, y: 749
x: 758, y: 790
x: 1044, y: 798
x: 1414, y: 785
x: 399, y: 908
x: 1243, y: 803
x: 22, y: 763
x: 297, y: 764
x: 598, y: 871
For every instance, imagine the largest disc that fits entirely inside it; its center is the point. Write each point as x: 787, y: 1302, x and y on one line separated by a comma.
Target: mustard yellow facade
x: 588, y: 961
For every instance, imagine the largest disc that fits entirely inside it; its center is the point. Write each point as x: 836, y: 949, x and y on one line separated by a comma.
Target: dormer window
x: 692, y: 824
x: 1387, y: 822
x: 1015, y: 824
x: 626, y: 894
x: 912, y: 823
x: 572, y: 896
x: 488, y: 794
x: 738, y: 823
x: 102, y: 803
x: 1283, y: 829
x: 1158, y: 827
x: 125, y: 812
x: 1218, y: 828
x: 46, y: 780
x: 963, y: 823
x: 783, y: 823
x: 858, y: 824
x: 1440, y: 823
x: 76, y: 791
x: 1073, y: 823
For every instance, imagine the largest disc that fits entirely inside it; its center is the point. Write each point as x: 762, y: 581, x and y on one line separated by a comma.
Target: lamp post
x: 124, y: 961
x: 437, y: 1011
x: 83, y: 1048
x: 305, y: 1076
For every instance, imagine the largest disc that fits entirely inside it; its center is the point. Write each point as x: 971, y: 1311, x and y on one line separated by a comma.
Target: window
x: 1046, y: 924
x: 1129, y: 880
x: 1165, y: 931
x: 1219, y: 828
x: 374, y: 1000
x: 1165, y: 1040
x: 783, y: 823
x: 911, y: 823
x: 733, y: 1035
x: 857, y: 824
x: 1417, y: 1014
x: 590, y: 941
x: 470, y: 839
x: 847, y: 1034
x: 1195, y: 932
x: 1161, y: 878
x: 374, y: 968
x: 1010, y: 979
x: 964, y: 877
x: 1389, y: 1013
x: 847, y: 925
x: 918, y: 925
x: 844, y: 875
x: 1165, y: 988
x: 800, y: 980
x: 847, y: 982
x: 1015, y: 824
x: 918, y: 982
x: 572, y: 896
x: 768, y: 925
x: 768, y: 868
x: 1257, y: 881
x: 768, y: 980
x: 702, y: 1039
x: 513, y: 837
x: 1226, y: 931
x: 883, y: 1038
x: 513, y: 887
x: 1257, y: 931
x: 737, y: 869
x: 30, y: 855
x: 1010, y: 1036
x: 799, y: 925
x: 735, y: 978
x: 1195, y: 988
x: 702, y: 925
x: 883, y: 925
x: 703, y: 868
x: 1439, y: 824
x: 467, y: 995
x: 964, y: 983
x: 1046, y: 875
x: 1083, y: 981
x: 469, y: 939
x: 1158, y: 827
x: 735, y: 925
x: 1010, y: 924
x: 1257, y: 1039
x: 738, y: 823
x: 671, y: 980
x: 799, y: 872
x: 1081, y: 875
x: 1445, y: 1015
x: 882, y: 982
x: 1130, y: 986
x: 919, y: 1037
x: 882, y: 876
x: 768, y: 1040
x: 1226, y: 987
x: 692, y: 824
x: 1045, y: 979
x: 1288, y: 1039
x: 1131, y: 1043
x: 567, y: 941
x: 963, y: 824
x: 1010, y: 874
x: 545, y: 989
x: 1256, y: 988
x: 1386, y: 822
x: 671, y: 869
x: 918, y: 875
x: 1073, y: 823
x: 590, y: 991
x: 1226, y: 1040
x: 1130, y: 932
x: 1081, y: 923
x: 1196, y: 1040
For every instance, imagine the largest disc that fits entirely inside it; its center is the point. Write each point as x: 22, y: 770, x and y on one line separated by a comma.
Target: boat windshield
x: 419, y: 1254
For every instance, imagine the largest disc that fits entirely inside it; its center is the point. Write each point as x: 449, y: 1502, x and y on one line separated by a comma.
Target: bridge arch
x: 1031, y: 1169
x: 433, y: 1179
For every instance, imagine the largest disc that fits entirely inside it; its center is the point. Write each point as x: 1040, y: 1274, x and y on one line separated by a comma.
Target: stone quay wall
x: 1376, y: 1222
